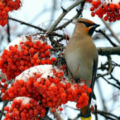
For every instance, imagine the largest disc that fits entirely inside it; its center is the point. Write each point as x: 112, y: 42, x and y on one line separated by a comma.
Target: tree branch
x: 62, y: 15
x: 79, y: 12
x: 24, y: 23
x: 2, y: 112
x: 8, y: 31
x: 111, y: 83
x: 107, y: 37
x: 109, y: 68
x: 106, y: 114
x: 114, y: 35
x: 108, y: 51
x: 96, y: 117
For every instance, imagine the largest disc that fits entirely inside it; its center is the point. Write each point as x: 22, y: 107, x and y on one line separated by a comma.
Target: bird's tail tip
x: 87, y: 118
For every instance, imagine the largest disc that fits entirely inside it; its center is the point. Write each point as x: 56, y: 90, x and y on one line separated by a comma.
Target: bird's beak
x: 96, y: 25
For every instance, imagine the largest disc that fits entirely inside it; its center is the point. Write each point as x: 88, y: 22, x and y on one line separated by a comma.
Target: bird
x: 81, y: 57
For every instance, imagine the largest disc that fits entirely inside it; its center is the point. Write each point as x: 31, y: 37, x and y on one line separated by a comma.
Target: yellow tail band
x: 89, y: 118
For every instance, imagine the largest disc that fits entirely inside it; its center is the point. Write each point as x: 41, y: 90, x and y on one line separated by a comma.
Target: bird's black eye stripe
x: 87, y: 24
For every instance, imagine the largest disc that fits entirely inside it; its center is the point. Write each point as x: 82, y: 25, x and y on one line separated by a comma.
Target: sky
x: 37, y: 12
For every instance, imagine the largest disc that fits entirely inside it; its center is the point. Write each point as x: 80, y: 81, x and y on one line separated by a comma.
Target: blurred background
x: 43, y: 13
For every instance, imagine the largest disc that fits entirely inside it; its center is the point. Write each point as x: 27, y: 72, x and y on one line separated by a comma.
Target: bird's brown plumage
x: 81, y: 54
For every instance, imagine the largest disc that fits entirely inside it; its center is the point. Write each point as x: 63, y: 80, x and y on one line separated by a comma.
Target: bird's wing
x: 95, y: 63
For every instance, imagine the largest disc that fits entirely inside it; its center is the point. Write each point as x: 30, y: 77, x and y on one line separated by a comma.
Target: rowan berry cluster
x: 23, y: 108
x: 52, y: 91
x: 108, y: 11
x: 7, y: 6
x: 24, y: 55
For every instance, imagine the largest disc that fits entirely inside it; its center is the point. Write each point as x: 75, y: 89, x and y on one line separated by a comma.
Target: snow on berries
x: 23, y: 53
x: 24, y: 108
x: 109, y: 10
x: 7, y: 6
x: 47, y: 85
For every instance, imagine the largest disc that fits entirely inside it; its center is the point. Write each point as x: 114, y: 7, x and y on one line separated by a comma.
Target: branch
x: 114, y: 35
x: 109, y: 68
x: 109, y: 51
x: 4, y: 104
x: 99, y: 36
x: 24, y: 23
x: 62, y: 15
x: 111, y: 83
x: 106, y: 115
x: 79, y: 12
x: 2, y: 112
x: 116, y: 80
x: 8, y: 31
x: 107, y: 37
x: 96, y: 117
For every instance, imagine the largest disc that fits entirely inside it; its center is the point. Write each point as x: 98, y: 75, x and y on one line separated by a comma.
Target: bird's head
x: 87, y: 25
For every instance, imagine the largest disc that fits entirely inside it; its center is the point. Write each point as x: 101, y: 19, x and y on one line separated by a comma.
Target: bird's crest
x: 83, y: 20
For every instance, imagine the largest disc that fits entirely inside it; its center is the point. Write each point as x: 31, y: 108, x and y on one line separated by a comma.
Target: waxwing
x: 81, y: 57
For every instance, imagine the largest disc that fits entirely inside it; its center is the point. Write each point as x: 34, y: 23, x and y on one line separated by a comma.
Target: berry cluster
x: 108, y: 11
x: 21, y: 88
x: 52, y: 91
x: 18, y: 58
x: 57, y: 91
x: 23, y: 108
x: 7, y: 6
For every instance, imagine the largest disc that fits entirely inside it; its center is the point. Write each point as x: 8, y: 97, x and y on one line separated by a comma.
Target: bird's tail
x: 87, y: 116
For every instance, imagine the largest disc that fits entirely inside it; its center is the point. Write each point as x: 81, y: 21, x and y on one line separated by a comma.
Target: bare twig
x: 4, y: 104
x: 114, y: 35
x: 96, y: 113
x: 106, y: 115
x: 2, y: 112
x: 25, y: 23
x: 99, y: 36
x: 107, y: 37
x: 8, y: 31
x: 116, y: 80
x: 62, y: 15
x: 111, y: 83
x: 109, y: 68
x: 79, y: 12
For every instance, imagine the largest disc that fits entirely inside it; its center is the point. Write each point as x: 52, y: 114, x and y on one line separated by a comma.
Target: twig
x: 107, y: 37
x: 79, y: 12
x: 8, y: 31
x: 109, y: 68
x: 25, y: 23
x: 114, y: 35
x: 99, y: 36
x: 111, y: 83
x: 116, y: 80
x: 4, y: 104
x: 96, y: 113
x: 61, y: 16
x: 106, y: 114
x: 2, y: 112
